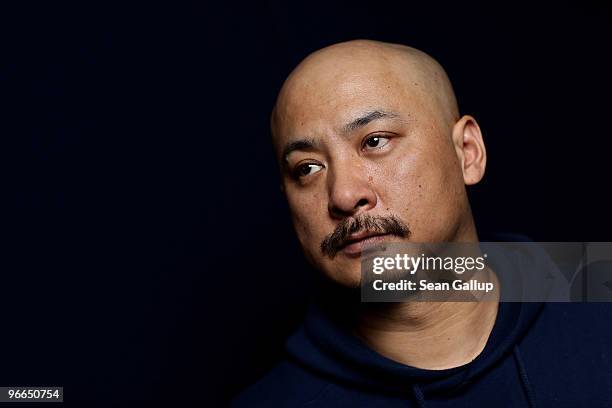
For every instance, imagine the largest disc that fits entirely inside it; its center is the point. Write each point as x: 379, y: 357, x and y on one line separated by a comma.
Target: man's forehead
x: 335, y: 104
x: 339, y: 82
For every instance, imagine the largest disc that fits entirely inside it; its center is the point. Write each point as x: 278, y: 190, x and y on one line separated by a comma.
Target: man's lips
x: 357, y: 242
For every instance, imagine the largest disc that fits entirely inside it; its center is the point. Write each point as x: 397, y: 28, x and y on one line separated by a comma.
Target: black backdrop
x: 149, y: 258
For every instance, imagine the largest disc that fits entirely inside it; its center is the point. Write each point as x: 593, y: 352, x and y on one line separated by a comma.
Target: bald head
x: 352, y: 67
x: 369, y: 140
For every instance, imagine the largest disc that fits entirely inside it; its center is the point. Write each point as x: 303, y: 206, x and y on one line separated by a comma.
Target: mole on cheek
x: 370, y: 179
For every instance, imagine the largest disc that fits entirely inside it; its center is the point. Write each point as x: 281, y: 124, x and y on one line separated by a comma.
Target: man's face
x: 365, y: 153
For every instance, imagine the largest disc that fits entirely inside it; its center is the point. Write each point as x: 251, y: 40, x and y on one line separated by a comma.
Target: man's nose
x: 350, y: 191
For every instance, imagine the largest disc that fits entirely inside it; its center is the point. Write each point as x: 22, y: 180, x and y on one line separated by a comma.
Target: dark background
x: 149, y: 258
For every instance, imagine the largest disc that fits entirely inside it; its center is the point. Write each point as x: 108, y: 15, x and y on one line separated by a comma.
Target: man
x: 372, y: 149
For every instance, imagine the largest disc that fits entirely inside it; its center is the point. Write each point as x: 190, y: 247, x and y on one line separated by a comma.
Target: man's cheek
x: 307, y: 234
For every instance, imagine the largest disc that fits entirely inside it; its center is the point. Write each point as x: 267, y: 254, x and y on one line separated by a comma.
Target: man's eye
x: 307, y: 169
x: 375, y: 142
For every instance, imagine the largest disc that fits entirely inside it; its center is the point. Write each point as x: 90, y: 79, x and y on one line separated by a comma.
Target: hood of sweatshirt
x: 325, y: 345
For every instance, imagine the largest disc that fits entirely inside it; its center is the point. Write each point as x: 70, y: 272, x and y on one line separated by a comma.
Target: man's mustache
x: 362, y: 223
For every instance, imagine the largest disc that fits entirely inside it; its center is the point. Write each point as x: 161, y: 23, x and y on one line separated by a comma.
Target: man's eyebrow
x: 301, y: 144
x: 367, y: 118
x: 309, y: 144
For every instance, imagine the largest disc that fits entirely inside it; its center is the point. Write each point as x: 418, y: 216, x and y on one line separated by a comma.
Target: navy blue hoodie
x: 538, y: 355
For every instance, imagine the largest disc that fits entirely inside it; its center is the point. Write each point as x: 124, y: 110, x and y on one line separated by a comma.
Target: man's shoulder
x: 580, y: 313
x: 572, y: 325
x: 286, y: 385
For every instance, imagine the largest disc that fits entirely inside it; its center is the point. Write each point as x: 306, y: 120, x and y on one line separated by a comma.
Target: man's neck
x: 428, y: 335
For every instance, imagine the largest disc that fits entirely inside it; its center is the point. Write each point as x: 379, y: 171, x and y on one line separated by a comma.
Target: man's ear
x: 467, y: 139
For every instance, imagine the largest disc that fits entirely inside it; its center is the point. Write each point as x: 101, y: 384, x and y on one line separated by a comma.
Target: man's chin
x: 346, y: 273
